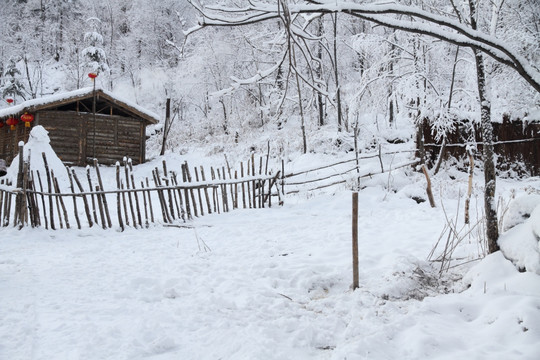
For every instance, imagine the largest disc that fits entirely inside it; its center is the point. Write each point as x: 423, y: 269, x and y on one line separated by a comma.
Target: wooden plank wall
x: 72, y: 137
x: 65, y: 130
x: 9, y: 140
x: 516, y: 143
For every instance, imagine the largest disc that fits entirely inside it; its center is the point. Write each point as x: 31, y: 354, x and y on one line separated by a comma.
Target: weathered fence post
x: 49, y: 189
x: 428, y: 186
x: 85, y: 201
x: 104, y: 197
x: 283, y: 176
x: 169, y: 193
x: 91, y: 187
x: 42, y: 200
x: 150, y: 201
x: 60, y: 201
x: 135, y: 196
x: 128, y: 194
x: 74, y: 198
x: 191, y: 192
x: 119, y: 197
x: 18, y: 219
x: 208, y: 206
x: 355, y: 239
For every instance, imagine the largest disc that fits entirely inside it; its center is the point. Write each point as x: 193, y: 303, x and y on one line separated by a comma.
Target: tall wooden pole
x: 355, y: 239
x: 94, y: 115
x: 167, y: 124
x: 19, y: 217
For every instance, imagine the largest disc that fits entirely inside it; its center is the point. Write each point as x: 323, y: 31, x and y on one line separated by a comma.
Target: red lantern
x: 9, y: 101
x: 27, y: 119
x: 1, y: 124
x: 92, y: 75
x: 12, y: 122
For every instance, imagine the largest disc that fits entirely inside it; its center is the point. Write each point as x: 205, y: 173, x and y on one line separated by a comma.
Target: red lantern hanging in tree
x: 12, y: 122
x: 92, y: 75
x: 9, y: 101
x: 27, y: 119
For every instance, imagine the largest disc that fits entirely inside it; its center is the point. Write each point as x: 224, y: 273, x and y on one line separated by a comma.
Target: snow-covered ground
x: 274, y: 284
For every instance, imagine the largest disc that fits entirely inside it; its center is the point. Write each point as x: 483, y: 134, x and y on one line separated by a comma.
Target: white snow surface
x: 521, y: 244
x: 39, y: 143
x: 269, y: 283
x: 274, y: 285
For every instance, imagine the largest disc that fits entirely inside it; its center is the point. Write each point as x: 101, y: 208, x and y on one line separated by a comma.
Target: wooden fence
x: 353, y: 171
x: 167, y: 197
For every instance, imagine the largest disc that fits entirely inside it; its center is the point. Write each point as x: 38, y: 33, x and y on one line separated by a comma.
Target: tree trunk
x: 336, y: 74
x: 490, y: 178
x: 320, y: 104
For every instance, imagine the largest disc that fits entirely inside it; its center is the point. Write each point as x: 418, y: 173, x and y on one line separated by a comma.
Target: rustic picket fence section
x: 342, y: 172
x: 167, y: 197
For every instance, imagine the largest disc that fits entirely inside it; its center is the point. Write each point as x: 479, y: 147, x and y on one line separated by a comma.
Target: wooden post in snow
x: 20, y: 197
x: 469, y: 188
x: 166, y: 127
x: 355, y: 284
x: 428, y: 186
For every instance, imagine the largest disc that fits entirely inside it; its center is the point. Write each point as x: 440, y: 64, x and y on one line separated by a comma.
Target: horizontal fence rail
x: 165, y: 197
x: 317, y: 181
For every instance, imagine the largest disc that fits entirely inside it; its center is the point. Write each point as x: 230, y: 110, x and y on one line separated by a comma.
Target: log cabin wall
x: 66, y: 129
x: 116, y: 137
x: 72, y: 137
x: 517, y: 145
x: 9, y: 140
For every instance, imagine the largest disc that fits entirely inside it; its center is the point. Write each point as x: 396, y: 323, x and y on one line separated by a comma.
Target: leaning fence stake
x: 74, y: 198
x: 49, y: 188
x: 85, y: 201
x: 104, y: 197
x: 119, y: 198
x: 18, y: 218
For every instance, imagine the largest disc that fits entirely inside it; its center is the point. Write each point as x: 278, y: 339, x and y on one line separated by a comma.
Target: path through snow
x: 275, y: 285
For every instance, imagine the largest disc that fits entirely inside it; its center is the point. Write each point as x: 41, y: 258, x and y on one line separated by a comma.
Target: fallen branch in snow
x: 285, y: 296
x: 185, y: 226
x: 200, y: 242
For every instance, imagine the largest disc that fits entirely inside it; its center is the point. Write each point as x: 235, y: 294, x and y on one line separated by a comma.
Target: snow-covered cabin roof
x: 56, y: 100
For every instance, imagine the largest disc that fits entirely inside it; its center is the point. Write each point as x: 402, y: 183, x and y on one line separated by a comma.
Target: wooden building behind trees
x: 83, y: 124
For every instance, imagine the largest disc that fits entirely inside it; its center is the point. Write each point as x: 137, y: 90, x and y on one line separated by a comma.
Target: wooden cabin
x: 516, y: 143
x: 83, y: 124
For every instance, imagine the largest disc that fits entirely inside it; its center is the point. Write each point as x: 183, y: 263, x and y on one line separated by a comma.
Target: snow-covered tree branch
x: 421, y: 22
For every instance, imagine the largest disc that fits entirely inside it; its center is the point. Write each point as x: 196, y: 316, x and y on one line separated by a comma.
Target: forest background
x: 229, y: 83
x: 232, y: 81
x: 335, y: 73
